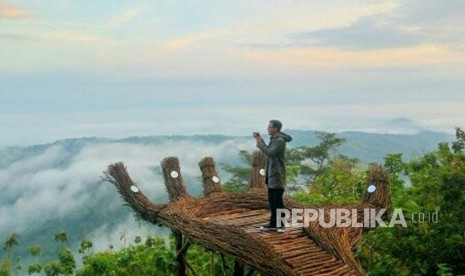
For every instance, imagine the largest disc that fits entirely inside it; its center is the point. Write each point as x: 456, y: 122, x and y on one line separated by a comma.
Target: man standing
x: 275, y: 173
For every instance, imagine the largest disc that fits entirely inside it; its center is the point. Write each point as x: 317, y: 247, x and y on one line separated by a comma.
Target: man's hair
x: 276, y: 124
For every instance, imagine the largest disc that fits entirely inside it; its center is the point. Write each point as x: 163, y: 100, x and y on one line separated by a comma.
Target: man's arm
x: 273, y: 148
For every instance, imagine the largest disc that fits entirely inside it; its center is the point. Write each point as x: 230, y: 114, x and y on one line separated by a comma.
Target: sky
x: 134, y: 68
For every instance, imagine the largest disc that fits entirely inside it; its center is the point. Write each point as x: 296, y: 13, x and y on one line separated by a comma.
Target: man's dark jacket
x: 276, y: 161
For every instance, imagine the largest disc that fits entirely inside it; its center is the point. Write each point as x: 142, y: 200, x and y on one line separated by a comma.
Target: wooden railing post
x: 176, y: 189
x: 378, y: 191
x: 257, y: 175
x: 211, y: 181
x: 173, y: 178
x: 238, y: 269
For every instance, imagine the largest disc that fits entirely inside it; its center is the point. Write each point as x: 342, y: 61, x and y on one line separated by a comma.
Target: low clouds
x: 60, y: 188
x: 39, y: 188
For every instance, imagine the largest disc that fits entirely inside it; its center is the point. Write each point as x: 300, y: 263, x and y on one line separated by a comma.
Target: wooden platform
x: 297, y: 249
x: 230, y: 223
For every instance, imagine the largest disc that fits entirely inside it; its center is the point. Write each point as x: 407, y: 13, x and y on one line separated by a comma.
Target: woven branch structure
x: 229, y: 223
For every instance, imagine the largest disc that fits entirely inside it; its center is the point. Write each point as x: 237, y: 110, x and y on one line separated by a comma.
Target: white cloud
x: 39, y: 162
x: 42, y: 187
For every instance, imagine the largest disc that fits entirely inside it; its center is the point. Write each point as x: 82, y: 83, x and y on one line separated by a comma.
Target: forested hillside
x: 95, y: 226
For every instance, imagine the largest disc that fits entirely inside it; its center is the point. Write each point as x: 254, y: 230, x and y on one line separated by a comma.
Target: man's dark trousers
x: 275, y: 198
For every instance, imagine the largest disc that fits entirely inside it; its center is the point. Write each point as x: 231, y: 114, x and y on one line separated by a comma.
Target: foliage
x: 341, y: 182
x: 314, y: 160
x: 10, y: 263
x: 151, y: 258
x: 86, y: 246
x: 154, y: 256
x: 36, y: 267
x: 61, y: 237
x: 35, y: 250
x: 5, y: 268
x: 11, y: 243
x: 240, y: 175
x: 435, y: 245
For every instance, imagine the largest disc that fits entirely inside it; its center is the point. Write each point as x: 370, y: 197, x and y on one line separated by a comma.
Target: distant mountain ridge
x: 373, y: 147
x: 367, y: 147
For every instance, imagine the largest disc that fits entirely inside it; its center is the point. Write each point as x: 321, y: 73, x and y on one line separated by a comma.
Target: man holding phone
x: 275, y: 172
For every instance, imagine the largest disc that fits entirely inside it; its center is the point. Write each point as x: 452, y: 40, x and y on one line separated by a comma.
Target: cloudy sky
x: 124, y: 68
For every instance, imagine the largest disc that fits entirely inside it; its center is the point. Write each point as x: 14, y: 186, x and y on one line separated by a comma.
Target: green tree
x: 239, y: 175
x: 10, y: 263
x: 150, y: 258
x: 65, y: 264
x: 10, y: 244
x: 436, y: 190
x: 314, y: 160
x: 61, y: 237
x: 85, y: 246
x: 35, y: 267
x: 341, y: 182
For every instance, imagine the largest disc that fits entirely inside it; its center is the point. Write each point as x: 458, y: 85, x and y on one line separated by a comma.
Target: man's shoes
x: 268, y: 227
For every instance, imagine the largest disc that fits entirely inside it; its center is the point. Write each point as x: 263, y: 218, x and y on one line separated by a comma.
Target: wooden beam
x: 211, y: 180
x: 176, y: 189
x: 180, y: 254
x: 257, y: 176
x: 378, y: 191
x: 174, y: 181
